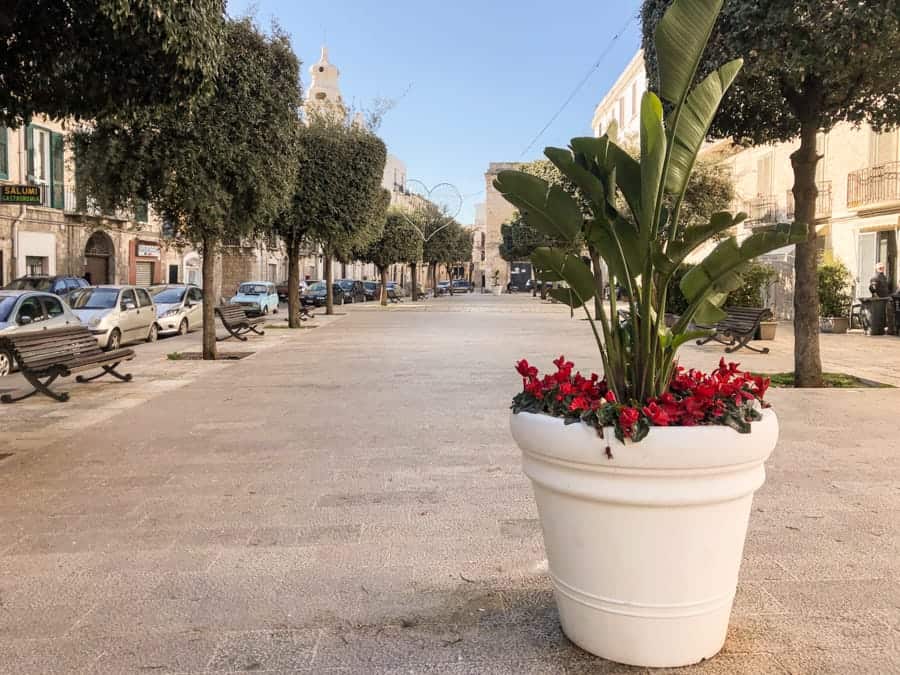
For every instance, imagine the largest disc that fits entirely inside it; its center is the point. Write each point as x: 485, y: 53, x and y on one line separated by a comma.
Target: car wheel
x: 183, y: 327
x: 6, y: 363
x: 115, y: 339
x: 154, y: 333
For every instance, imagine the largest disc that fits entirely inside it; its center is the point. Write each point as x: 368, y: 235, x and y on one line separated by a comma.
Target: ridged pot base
x: 644, y: 549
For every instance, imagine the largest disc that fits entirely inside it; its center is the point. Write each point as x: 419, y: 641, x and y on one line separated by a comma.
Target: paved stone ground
x: 349, y: 500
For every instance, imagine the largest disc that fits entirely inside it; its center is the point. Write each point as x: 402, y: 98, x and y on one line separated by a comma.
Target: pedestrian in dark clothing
x: 879, y: 285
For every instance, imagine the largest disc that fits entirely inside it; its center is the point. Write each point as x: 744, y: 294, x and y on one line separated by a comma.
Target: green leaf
x: 680, y: 39
x: 590, y: 185
x: 566, y: 297
x: 545, y: 207
x: 570, y: 268
x: 693, y: 124
x: 667, y: 260
x: 628, y: 178
x: 653, y: 157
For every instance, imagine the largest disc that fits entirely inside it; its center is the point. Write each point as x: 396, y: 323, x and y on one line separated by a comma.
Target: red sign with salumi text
x: 20, y: 194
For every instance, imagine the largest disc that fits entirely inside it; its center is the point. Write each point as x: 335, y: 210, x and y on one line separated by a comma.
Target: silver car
x: 22, y: 311
x: 116, y: 314
x: 179, y: 309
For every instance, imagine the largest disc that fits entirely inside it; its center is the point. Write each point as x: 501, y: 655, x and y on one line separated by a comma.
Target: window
x: 764, y: 166
x: 30, y: 310
x: 59, y: 286
x: 128, y: 296
x: 46, y: 164
x: 4, y: 153
x: 35, y: 266
x: 53, y: 307
x: 622, y: 109
x: 195, y: 295
x: 143, y: 297
x: 72, y: 284
x: 883, y: 147
x: 635, y: 104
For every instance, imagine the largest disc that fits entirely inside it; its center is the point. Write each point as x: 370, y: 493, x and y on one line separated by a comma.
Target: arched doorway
x: 193, y: 272
x: 99, y: 262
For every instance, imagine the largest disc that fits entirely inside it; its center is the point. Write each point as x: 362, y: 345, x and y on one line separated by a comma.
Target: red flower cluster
x: 726, y: 396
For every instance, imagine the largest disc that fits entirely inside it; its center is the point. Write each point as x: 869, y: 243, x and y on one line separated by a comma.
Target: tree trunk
x: 807, y: 361
x: 294, y: 281
x: 414, y: 276
x: 329, y: 281
x: 450, y: 278
x: 432, y: 270
x: 598, y: 283
x: 384, y: 298
x: 209, y: 299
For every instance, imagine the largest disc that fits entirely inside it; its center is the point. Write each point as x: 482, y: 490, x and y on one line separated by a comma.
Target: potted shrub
x: 644, y: 477
x: 496, y: 288
x: 750, y: 294
x: 834, y: 298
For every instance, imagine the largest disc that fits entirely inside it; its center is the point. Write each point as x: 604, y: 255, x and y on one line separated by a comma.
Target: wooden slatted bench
x: 43, y: 356
x: 237, y: 323
x: 738, y: 328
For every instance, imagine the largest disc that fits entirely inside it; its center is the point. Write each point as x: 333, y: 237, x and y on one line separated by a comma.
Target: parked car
x: 282, y: 289
x: 443, y: 287
x: 257, y: 297
x: 371, y: 289
x: 179, y: 309
x: 462, y: 286
x: 315, y: 294
x: 58, y: 285
x: 354, y: 291
x: 26, y: 311
x: 116, y: 314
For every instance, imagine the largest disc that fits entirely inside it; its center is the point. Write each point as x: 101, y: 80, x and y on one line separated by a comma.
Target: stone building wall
x: 496, y: 212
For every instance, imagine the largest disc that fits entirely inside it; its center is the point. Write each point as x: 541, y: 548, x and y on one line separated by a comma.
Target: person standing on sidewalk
x: 880, y: 287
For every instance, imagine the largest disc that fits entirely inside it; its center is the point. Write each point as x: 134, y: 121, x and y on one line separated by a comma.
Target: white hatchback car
x: 179, y: 309
x: 116, y: 314
x: 29, y: 311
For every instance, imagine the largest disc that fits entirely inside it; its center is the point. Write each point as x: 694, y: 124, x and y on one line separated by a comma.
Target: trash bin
x: 874, y: 314
x: 896, y: 299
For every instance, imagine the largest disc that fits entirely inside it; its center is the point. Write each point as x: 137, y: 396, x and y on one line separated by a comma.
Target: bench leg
x: 717, y: 337
x: 107, y: 370
x: 39, y: 388
x: 256, y: 330
x: 231, y: 334
x: 744, y: 341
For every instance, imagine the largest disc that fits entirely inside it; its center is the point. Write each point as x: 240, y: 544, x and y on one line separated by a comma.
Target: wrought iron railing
x: 875, y: 185
x: 77, y: 202
x: 762, y: 210
x: 823, y: 201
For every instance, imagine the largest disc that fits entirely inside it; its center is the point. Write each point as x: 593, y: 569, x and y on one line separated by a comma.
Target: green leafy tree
x: 442, y: 244
x: 89, y: 58
x: 808, y: 65
x: 400, y: 242
x: 218, y: 175
x: 834, y: 290
x: 646, y: 241
x: 753, y: 281
x: 338, y: 202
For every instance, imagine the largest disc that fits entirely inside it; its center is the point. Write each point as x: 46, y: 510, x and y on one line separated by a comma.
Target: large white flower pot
x: 644, y: 548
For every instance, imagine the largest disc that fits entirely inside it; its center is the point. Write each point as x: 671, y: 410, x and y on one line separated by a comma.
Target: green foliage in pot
x: 750, y: 292
x: 645, y: 242
x: 834, y: 290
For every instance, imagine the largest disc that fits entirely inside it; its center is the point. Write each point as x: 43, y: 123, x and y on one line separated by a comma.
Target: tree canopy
x: 89, y: 58
x: 400, y: 242
x: 218, y: 174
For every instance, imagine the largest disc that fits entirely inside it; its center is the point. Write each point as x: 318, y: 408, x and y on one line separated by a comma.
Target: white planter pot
x: 644, y: 548
x: 496, y: 290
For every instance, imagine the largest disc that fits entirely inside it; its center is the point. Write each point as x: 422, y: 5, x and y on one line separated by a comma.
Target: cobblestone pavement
x: 349, y: 500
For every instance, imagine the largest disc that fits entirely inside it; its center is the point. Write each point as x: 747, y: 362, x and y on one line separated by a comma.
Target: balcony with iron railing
x: 761, y: 211
x: 874, y: 187
x: 823, y: 201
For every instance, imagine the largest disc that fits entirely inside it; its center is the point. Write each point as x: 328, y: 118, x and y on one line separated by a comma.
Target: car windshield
x: 6, y: 304
x: 346, y: 284
x: 169, y: 295
x: 94, y: 298
x: 252, y: 289
x: 30, y: 284
x: 318, y: 286
x: 371, y: 285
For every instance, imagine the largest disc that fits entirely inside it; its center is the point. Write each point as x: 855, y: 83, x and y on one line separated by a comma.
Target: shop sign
x: 21, y: 194
x: 147, y: 251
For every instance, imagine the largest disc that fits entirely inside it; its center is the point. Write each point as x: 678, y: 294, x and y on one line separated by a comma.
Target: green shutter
x: 4, y: 153
x: 57, y: 171
x: 29, y: 149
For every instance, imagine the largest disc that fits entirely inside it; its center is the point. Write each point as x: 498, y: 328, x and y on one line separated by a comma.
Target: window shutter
x: 57, y: 171
x: 4, y: 152
x: 29, y: 150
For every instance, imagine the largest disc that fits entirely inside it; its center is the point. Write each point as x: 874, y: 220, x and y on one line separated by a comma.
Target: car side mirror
x: 25, y: 320
x: 127, y: 305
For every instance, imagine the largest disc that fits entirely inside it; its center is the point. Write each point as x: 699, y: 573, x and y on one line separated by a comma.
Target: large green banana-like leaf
x: 604, y: 242
x: 680, y: 38
x: 709, y: 309
x: 546, y: 207
x: 653, y: 158
x: 590, y: 185
x: 667, y: 259
x: 569, y: 268
x: 628, y: 178
x: 693, y: 124
x: 593, y: 149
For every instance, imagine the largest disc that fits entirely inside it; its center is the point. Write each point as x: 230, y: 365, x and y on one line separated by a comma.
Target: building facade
x: 858, y: 177
x: 496, y: 212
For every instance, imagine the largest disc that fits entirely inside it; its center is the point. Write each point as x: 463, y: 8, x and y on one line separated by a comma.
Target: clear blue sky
x: 483, y: 77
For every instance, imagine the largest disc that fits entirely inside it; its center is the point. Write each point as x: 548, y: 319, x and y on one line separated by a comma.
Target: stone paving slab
x: 371, y: 515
